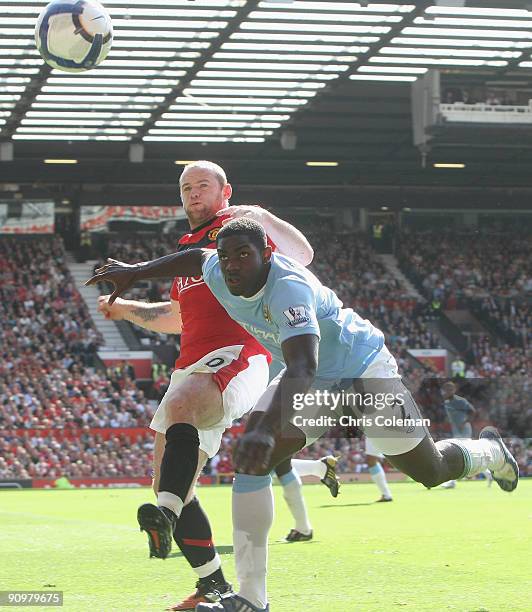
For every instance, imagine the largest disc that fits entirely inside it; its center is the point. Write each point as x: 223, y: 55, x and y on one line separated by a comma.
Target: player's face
x: 202, y: 195
x: 447, y: 391
x: 245, y: 267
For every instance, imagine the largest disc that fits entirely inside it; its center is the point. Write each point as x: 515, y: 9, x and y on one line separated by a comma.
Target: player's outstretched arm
x: 254, y: 451
x: 123, y: 275
x: 287, y: 238
x: 162, y: 317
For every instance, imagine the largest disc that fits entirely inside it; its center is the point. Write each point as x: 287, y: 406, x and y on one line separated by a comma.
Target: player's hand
x: 253, y: 452
x: 121, y: 274
x: 256, y: 213
x: 114, y: 311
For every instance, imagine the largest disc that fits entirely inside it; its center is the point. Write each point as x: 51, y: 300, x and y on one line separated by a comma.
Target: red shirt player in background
x: 219, y: 375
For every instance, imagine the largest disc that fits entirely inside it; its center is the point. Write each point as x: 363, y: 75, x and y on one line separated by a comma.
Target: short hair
x: 217, y: 170
x: 244, y: 227
x: 449, y: 386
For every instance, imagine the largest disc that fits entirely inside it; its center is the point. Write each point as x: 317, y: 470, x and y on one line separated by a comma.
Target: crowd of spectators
x: 49, y: 342
x: 483, y: 96
x: 41, y: 312
x: 86, y: 456
x: 487, y: 359
x: 455, y: 267
x: 135, y: 248
x: 488, y: 273
x: 40, y: 396
x: 511, y: 319
x: 47, y: 378
x: 348, y: 264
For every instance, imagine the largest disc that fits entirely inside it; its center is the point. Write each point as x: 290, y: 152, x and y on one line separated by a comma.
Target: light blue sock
x: 293, y: 496
x: 252, y: 519
x: 379, y: 478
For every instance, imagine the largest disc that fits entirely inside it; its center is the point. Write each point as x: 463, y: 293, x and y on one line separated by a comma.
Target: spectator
x: 458, y: 367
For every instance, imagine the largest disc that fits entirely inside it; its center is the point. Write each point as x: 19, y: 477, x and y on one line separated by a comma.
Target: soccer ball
x: 73, y: 35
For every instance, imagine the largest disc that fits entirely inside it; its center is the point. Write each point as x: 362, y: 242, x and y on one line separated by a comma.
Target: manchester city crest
x: 267, y: 314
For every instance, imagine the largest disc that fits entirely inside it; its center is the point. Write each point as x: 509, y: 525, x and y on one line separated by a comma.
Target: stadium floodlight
x: 60, y: 161
x: 382, y: 77
x: 449, y: 166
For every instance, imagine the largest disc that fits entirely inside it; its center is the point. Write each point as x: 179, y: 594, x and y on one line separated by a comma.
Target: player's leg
x: 158, y: 452
x: 431, y: 464
x: 377, y: 473
x: 193, y: 535
x: 324, y: 469
x: 293, y: 496
x: 412, y: 450
x: 192, y: 402
x: 193, y: 405
x: 467, y: 432
x: 240, y: 378
x: 253, y: 515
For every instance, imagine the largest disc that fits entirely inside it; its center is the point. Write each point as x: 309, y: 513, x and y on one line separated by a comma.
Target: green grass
x: 467, y: 549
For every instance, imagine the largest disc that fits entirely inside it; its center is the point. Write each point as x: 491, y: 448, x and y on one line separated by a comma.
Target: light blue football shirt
x: 293, y: 302
x: 459, y: 412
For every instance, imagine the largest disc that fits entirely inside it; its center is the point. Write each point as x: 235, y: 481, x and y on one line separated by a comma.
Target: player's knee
x: 183, y: 408
x: 430, y: 477
x: 195, y: 407
x: 179, y: 413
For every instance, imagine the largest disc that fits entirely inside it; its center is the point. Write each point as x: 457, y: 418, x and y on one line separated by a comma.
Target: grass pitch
x: 467, y: 549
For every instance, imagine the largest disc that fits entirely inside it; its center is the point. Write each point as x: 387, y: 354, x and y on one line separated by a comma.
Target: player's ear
x: 267, y: 254
x: 227, y: 191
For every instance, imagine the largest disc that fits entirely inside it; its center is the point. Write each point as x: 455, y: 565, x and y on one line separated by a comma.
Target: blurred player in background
x: 289, y: 473
x: 460, y: 412
x: 218, y: 377
x: 377, y: 473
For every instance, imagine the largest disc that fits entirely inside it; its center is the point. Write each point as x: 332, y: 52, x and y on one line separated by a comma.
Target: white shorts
x: 371, y: 449
x: 242, y: 377
x: 400, y: 440
x: 381, y: 376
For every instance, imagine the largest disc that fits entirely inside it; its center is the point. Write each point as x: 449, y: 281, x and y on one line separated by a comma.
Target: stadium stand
x: 48, y: 379
x: 56, y: 404
x: 37, y: 455
x: 489, y: 274
x: 133, y: 248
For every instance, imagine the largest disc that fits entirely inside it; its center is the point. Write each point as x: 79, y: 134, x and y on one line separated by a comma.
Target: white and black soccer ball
x: 74, y: 35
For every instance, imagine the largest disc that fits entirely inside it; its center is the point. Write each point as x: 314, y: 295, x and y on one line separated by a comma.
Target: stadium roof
x: 268, y: 84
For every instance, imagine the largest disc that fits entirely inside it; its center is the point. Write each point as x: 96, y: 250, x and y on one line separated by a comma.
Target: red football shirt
x: 206, y: 326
